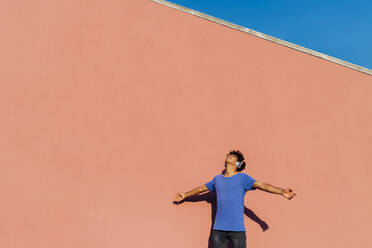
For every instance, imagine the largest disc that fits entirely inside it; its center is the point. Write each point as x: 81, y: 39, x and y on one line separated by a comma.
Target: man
x: 231, y: 187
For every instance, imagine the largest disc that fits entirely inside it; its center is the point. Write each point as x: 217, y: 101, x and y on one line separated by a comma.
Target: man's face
x: 231, y: 159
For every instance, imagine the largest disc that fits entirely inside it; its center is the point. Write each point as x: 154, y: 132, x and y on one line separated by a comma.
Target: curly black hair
x: 240, y: 157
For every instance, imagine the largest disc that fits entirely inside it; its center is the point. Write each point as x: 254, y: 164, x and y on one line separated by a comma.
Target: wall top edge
x: 266, y: 37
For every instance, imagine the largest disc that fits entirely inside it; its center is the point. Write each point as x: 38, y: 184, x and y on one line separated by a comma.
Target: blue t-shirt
x: 230, y: 200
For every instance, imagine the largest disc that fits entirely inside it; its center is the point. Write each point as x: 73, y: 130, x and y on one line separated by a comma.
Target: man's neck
x: 230, y: 171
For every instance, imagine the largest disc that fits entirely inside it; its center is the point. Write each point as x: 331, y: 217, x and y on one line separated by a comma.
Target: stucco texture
x: 109, y: 108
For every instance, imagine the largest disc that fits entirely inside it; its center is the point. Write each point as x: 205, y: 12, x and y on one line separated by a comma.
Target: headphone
x: 239, y: 164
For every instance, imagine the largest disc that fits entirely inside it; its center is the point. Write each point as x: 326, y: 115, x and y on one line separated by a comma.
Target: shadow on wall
x: 210, y: 197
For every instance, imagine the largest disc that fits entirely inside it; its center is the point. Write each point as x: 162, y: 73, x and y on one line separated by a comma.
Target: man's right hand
x: 180, y: 196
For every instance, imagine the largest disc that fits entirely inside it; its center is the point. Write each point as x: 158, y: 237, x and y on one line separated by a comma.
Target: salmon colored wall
x: 108, y: 108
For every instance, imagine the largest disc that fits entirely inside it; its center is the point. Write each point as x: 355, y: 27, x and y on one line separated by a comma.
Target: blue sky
x: 342, y: 29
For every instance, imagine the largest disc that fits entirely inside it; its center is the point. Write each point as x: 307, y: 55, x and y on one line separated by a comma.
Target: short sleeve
x: 211, y: 184
x: 248, y: 182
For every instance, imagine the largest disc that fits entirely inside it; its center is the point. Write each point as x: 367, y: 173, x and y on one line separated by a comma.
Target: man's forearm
x: 194, y: 191
x: 272, y: 189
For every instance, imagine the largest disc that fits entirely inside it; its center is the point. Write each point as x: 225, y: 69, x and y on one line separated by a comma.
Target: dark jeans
x: 220, y: 238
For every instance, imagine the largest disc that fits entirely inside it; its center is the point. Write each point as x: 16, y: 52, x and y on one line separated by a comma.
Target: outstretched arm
x: 287, y: 193
x: 180, y: 196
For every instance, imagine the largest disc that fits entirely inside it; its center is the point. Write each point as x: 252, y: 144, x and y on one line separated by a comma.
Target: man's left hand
x: 288, y: 193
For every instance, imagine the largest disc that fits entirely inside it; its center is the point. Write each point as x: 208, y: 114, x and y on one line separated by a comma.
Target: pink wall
x: 108, y: 108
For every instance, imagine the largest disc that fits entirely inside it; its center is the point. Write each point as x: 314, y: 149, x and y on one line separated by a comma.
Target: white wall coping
x: 266, y: 37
